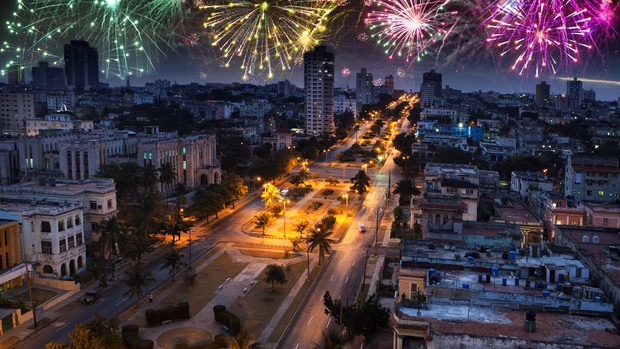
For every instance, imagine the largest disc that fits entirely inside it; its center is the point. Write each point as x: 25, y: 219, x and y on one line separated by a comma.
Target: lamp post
x: 284, y: 216
x: 346, y: 210
x: 190, y: 248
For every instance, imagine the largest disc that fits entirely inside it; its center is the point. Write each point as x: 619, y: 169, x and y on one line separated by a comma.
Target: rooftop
x: 461, y: 319
x: 516, y: 213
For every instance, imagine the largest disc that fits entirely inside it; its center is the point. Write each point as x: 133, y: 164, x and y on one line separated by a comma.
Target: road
x: 343, y: 275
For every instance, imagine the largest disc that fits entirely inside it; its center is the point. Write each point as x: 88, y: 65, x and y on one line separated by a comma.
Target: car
x: 362, y: 228
x: 90, y: 296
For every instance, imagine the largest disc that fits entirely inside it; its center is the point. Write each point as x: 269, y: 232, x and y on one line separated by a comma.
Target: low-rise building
x: 592, y: 178
x: 11, y: 266
x: 525, y: 181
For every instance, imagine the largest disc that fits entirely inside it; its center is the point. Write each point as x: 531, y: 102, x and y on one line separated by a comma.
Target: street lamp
x: 284, y: 215
x: 346, y: 210
x: 365, y: 166
x: 190, y: 248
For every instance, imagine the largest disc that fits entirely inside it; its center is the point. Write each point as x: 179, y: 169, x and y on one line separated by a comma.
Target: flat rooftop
x: 491, y: 322
x: 517, y: 213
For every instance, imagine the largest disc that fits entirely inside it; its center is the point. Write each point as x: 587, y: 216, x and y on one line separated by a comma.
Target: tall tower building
x: 363, y: 88
x: 574, y: 90
x: 81, y: 65
x: 319, y: 86
x: 430, y: 89
x: 48, y: 78
x: 543, y: 93
x: 388, y: 86
x: 15, y: 75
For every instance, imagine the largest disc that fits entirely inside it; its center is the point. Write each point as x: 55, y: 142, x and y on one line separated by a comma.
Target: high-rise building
x: 589, y: 95
x: 430, y: 89
x: 543, y: 93
x: 47, y: 78
x: 15, y: 109
x: 81, y: 65
x: 388, y: 86
x: 574, y: 90
x: 15, y: 75
x: 363, y: 88
x: 319, y: 86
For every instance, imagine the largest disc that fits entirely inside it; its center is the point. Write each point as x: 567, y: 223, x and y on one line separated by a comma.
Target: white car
x: 362, y: 228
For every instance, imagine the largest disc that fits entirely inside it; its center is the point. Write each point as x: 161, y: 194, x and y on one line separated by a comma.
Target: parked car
x: 90, y: 296
x: 362, y: 228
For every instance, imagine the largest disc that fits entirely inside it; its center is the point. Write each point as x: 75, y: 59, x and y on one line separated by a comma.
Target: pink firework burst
x: 406, y: 28
x: 542, y: 35
x: 605, y: 14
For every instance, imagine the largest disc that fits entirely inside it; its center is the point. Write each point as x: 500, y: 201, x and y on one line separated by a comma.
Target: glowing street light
x: 346, y: 210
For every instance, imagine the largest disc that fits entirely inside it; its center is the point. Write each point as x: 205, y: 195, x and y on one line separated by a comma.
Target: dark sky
x: 464, y: 61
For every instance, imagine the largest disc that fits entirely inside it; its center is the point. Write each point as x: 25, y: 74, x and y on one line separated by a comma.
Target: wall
x: 65, y: 285
x: 441, y: 341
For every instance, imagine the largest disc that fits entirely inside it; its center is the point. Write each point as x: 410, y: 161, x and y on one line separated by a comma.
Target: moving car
x: 90, y: 296
x: 362, y: 228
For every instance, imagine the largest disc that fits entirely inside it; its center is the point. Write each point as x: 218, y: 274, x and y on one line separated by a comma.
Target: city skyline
x: 470, y: 66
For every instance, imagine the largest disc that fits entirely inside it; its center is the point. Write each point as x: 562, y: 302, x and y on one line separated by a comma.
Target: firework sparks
x: 126, y: 37
x: 408, y: 27
x: 544, y: 35
x: 266, y: 35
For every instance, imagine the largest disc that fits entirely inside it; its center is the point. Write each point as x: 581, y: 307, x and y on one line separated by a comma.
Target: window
x: 109, y: 203
x: 469, y: 191
x: 46, y: 227
x: 605, y: 222
x: 63, y: 245
x: 77, y: 219
x: 70, y: 222
x: 61, y: 225
x: 601, y: 193
x: 46, y: 247
x: 71, y: 242
x: 93, y: 205
x: 451, y: 190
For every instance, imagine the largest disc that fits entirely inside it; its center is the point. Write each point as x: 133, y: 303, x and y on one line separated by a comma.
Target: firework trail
x: 266, y: 35
x: 407, y: 28
x: 128, y: 39
x: 543, y: 35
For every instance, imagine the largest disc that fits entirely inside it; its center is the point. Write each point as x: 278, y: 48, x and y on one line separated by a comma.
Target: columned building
x: 319, y: 86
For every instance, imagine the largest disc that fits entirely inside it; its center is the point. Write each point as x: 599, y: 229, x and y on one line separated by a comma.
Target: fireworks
x: 406, y: 28
x: 266, y: 35
x: 345, y: 72
x: 125, y: 35
x: 544, y: 35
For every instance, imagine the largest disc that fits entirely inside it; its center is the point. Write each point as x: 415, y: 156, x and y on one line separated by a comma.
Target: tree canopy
x: 275, y: 275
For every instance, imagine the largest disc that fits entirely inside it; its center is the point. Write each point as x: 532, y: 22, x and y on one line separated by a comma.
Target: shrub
x: 156, y: 317
x: 227, y: 318
x: 132, y: 339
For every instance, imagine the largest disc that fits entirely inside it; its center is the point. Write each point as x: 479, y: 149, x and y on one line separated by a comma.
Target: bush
x: 334, y: 211
x: 156, y: 317
x: 227, y: 318
x: 132, y: 340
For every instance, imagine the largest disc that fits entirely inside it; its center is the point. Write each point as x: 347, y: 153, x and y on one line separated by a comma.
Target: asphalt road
x: 343, y: 275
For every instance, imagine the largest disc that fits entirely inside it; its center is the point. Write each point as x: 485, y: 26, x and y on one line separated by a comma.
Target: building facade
x: 363, y: 88
x: 81, y: 65
x: 319, y: 86
x: 592, y: 178
x: 15, y: 109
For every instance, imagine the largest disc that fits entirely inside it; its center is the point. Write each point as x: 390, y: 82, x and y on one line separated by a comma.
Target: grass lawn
x: 200, y: 292
x: 39, y: 295
x: 260, y: 304
x: 288, y: 315
x: 265, y: 254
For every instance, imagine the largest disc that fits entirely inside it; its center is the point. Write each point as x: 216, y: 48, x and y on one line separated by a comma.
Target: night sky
x: 465, y: 61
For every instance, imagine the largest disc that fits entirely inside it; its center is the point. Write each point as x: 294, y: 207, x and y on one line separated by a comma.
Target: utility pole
x: 34, y: 308
x: 377, y: 232
x: 190, y: 248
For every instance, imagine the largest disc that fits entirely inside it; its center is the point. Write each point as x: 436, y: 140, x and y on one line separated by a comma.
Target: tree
x: 275, y: 274
x: 262, y: 220
x: 148, y: 178
x: 296, y: 241
x: 136, y: 278
x: 361, y: 182
x: 405, y: 188
x: 235, y: 186
x: 112, y: 237
x: 319, y: 237
x: 241, y: 340
x: 270, y: 195
x: 300, y: 227
x: 173, y: 260
x: 98, y: 333
x: 138, y: 244
x: 358, y: 319
x: 331, y: 340
x: 167, y: 174
x: 206, y: 203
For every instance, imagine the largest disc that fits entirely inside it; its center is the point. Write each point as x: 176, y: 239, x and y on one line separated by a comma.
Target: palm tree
x: 405, y: 188
x: 270, y: 195
x: 167, y: 174
x: 296, y: 242
x: 301, y: 226
x: 112, y: 235
x: 319, y: 237
x: 361, y: 182
x: 148, y: 178
x: 137, y: 279
x: 331, y: 340
x: 261, y: 221
x: 304, y: 174
x: 241, y: 340
x: 173, y: 259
